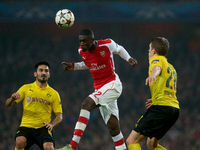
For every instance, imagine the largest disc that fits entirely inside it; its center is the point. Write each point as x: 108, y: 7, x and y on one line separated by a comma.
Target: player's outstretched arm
x: 156, y: 70
x: 132, y: 61
x: 68, y: 66
x: 11, y: 101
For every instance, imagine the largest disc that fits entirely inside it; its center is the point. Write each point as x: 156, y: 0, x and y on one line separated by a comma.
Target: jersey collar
x: 39, y: 87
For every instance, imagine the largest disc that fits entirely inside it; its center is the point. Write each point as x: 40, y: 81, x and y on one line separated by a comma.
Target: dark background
x: 28, y: 34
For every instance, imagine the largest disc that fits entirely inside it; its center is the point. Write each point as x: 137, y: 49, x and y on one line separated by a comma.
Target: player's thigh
x: 24, y: 136
x: 157, y: 121
x: 108, y: 110
x: 135, y: 137
x: 152, y: 142
x: 108, y: 93
x: 43, y: 135
x: 113, y: 122
x: 89, y: 104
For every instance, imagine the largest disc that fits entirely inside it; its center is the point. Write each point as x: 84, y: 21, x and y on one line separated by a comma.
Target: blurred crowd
x: 20, y: 51
x: 93, y: 1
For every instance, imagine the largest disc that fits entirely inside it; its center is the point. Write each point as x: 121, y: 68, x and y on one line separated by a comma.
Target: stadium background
x: 28, y: 33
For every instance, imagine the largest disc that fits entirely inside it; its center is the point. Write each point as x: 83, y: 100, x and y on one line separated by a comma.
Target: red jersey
x: 100, y: 62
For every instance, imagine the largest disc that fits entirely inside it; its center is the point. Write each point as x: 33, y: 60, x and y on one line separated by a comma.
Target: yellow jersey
x: 38, y: 104
x: 164, y: 91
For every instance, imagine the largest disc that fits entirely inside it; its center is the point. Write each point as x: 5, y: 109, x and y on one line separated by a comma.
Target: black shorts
x: 157, y: 121
x: 35, y: 136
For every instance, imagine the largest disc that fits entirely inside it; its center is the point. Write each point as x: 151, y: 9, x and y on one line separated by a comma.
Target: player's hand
x: 148, y: 103
x: 15, y: 96
x: 150, y: 79
x: 48, y: 126
x: 132, y: 62
x: 11, y: 101
x: 68, y: 66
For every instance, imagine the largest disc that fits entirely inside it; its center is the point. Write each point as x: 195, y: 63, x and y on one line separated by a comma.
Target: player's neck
x: 41, y: 85
x: 93, y: 47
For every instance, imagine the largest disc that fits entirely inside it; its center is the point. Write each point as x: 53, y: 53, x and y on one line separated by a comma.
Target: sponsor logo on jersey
x: 102, y: 53
x: 40, y: 100
x: 28, y: 99
x: 97, y: 67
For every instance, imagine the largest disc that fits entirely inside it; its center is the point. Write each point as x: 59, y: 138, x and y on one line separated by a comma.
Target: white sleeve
x: 80, y: 66
x: 120, y: 50
x: 123, y: 53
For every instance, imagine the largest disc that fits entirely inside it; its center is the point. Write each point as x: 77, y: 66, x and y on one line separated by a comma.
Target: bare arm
x: 156, y: 70
x: 11, y: 101
x: 55, y: 122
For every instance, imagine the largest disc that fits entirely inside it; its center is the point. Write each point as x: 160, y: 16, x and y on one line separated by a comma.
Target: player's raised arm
x: 125, y: 55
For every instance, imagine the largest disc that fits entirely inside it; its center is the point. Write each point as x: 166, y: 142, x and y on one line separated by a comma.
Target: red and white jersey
x: 100, y: 61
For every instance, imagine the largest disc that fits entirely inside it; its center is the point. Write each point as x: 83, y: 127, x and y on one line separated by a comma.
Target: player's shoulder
x: 105, y: 41
x: 155, y: 60
x: 52, y: 89
x: 158, y: 58
x: 80, y: 51
x: 28, y: 85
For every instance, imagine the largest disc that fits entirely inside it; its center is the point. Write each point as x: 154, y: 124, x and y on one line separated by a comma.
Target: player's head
x: 86, y: 39
x: 161, y: 45
x: 42, y: 71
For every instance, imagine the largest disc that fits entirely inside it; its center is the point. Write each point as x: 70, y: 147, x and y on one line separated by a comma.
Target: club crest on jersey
x: 49, y: 94
x: 102, y: 53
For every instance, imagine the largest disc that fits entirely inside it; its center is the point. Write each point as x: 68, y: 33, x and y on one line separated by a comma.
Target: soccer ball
x: 64, y: 18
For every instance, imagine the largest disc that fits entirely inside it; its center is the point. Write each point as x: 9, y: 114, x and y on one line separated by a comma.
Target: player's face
x: 42, y: 74
x: 151, y: 51
x: 85, y: 42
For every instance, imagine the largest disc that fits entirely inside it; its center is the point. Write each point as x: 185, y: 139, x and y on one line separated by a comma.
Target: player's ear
x: 154, y: 51
x: 35, y: 74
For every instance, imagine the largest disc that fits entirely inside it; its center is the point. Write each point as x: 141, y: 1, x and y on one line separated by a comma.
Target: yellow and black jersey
x: 38, y: 104
x: 164, y: 91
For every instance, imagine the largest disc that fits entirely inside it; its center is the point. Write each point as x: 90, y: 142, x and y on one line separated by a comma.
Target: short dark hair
x: 87, y: 32
x: 161, y: 45
x: 42, y: 63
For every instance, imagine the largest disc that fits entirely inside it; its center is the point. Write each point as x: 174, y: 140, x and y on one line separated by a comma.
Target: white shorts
x: 107, y: 97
